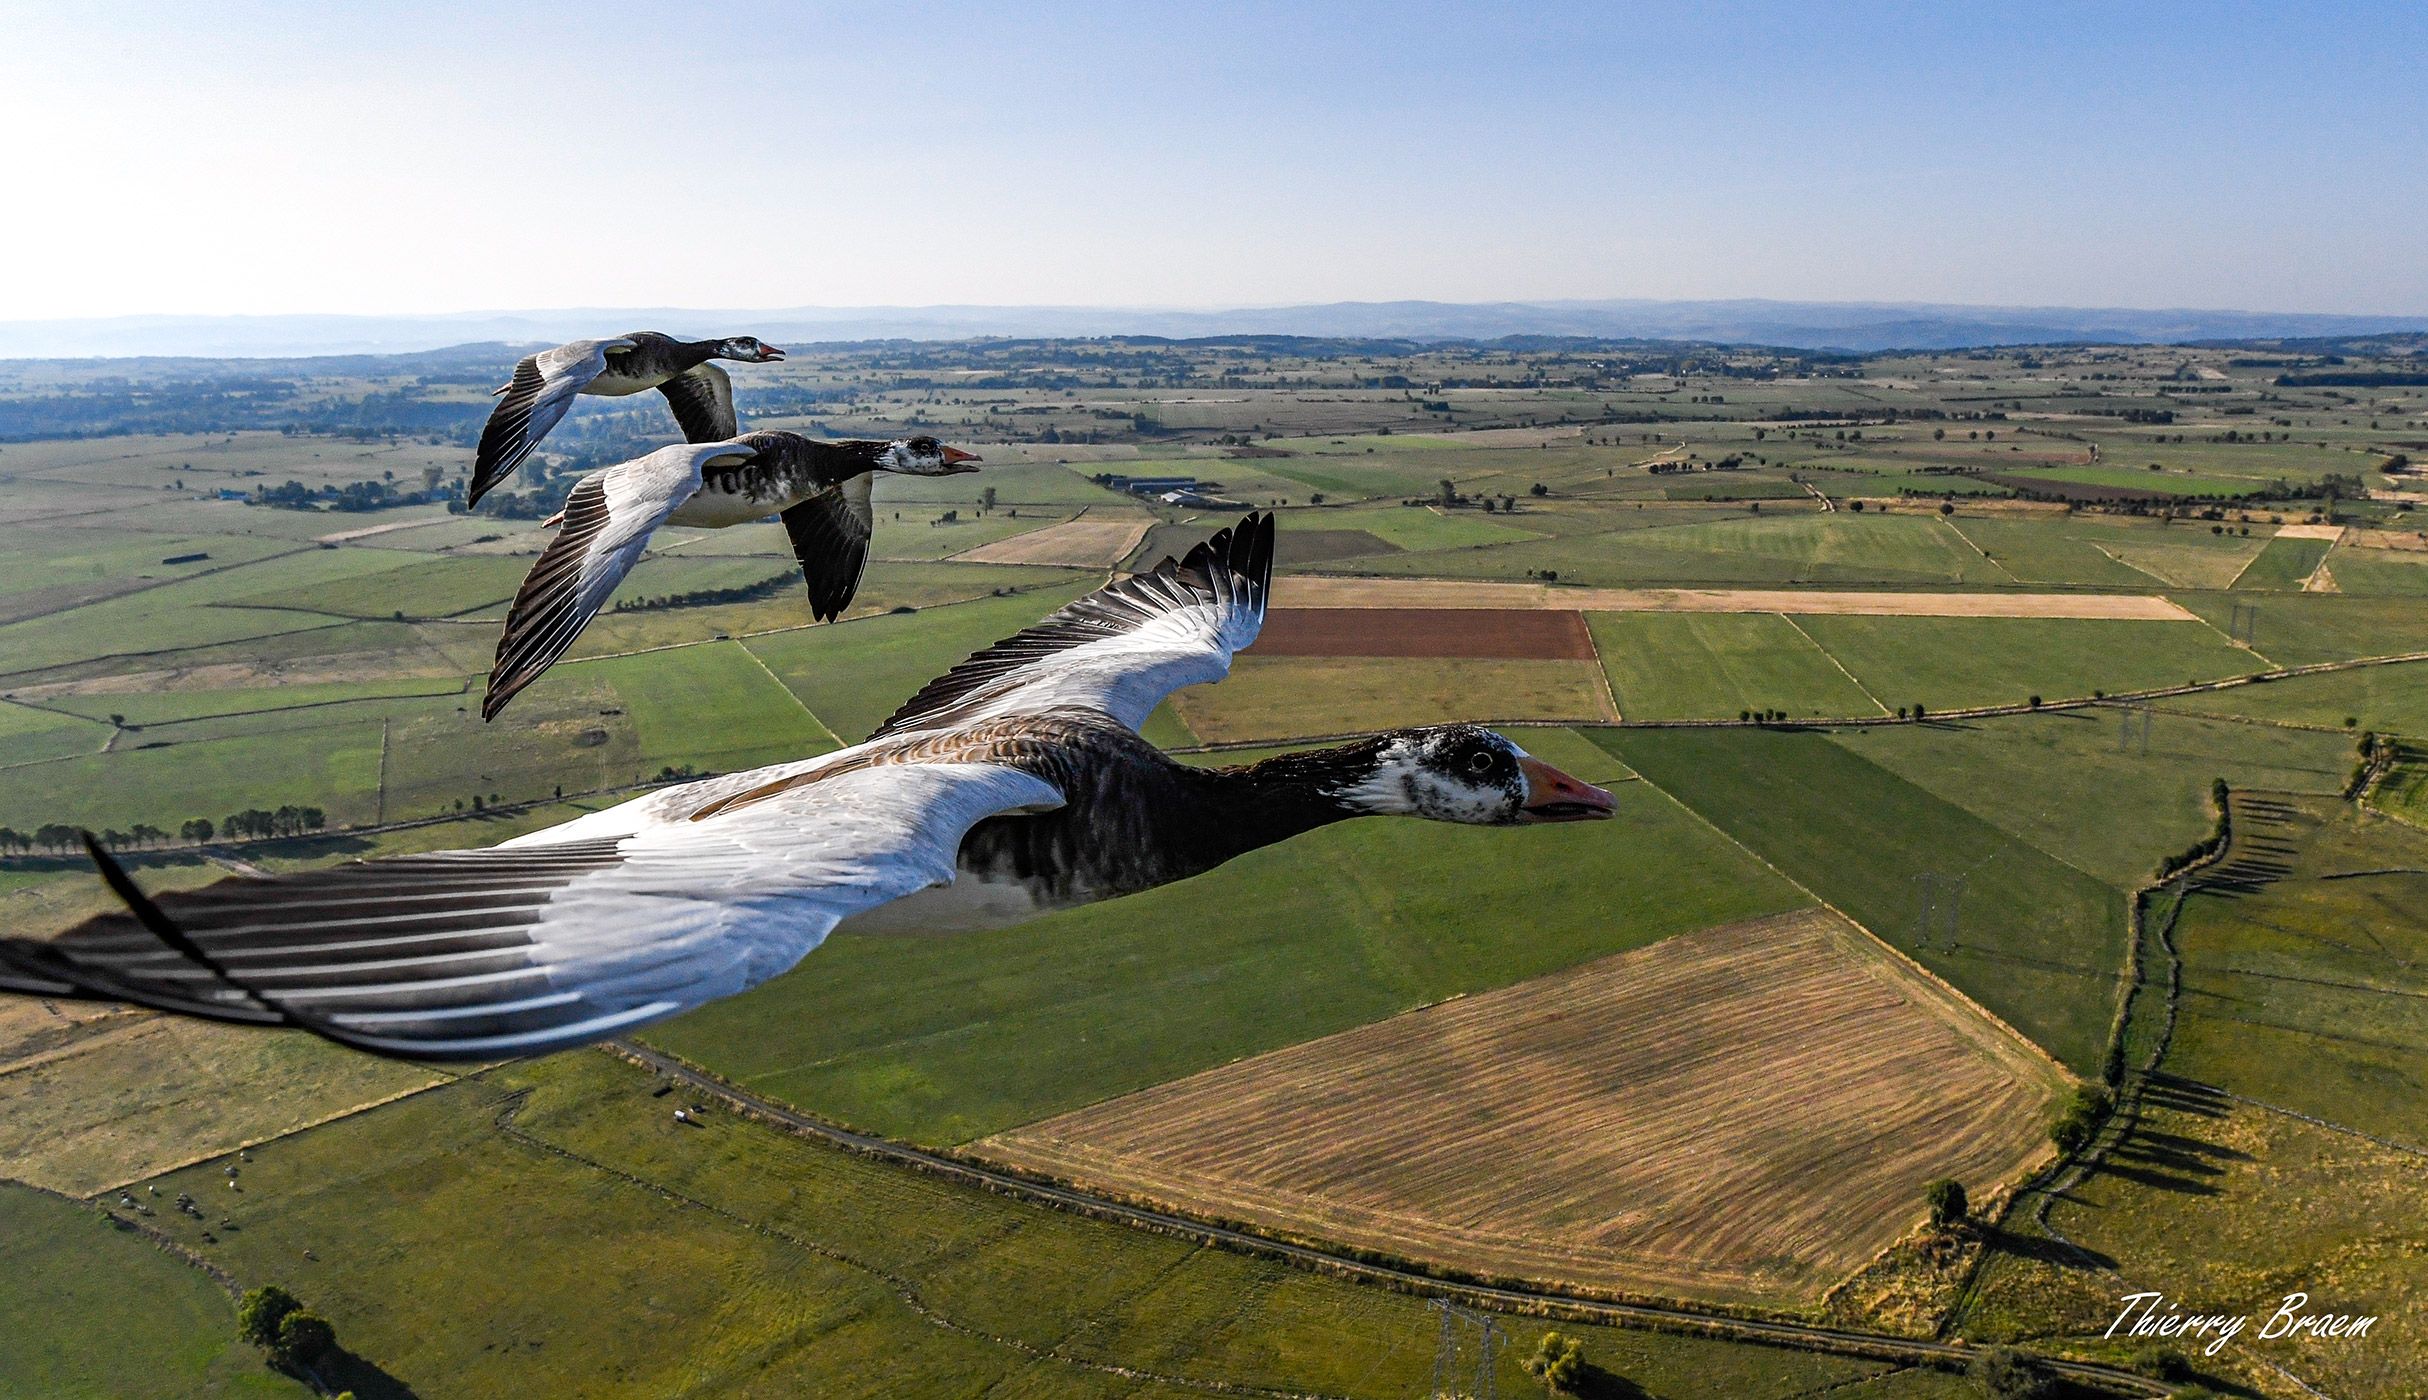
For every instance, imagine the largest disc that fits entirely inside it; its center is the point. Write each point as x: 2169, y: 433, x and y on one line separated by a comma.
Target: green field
x: 1716, y: 665
x: 2284, y: 565
x: 729, y: 1259
x: 934, y: 1038
x: 100, y: 1313
x: 1949, y: 662
x: 2037, y: 942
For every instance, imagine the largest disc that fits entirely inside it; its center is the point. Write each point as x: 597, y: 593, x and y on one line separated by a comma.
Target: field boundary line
x: 1610, y: 685
x: 1831, y: 657
x: 796, y: 699
x: 1946, y: 987
x: 248, y: 1144
x: 904, y: 1289
x: 1399, y: 1277
x: 1950, y: 522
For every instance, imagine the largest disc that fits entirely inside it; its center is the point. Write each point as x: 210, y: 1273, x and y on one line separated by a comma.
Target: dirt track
x: 1522, y: 634
x: 1317, y: 592
x: 1746, y: 1112
x: 1090, y: 542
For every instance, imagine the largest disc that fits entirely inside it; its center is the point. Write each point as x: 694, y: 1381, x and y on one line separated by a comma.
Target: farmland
x: 1542, y: 1130
x: 1678, y: 569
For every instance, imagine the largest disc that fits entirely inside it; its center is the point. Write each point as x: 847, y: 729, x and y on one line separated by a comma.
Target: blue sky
x: 278, y: 158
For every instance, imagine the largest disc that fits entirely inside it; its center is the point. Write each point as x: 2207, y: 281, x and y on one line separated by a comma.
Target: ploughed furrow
x: 1748, y: 1110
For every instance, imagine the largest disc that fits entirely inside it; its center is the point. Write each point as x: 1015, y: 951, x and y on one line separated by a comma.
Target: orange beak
x: 955, y: 454
x: 769, y: 352
x: 1553, y: 796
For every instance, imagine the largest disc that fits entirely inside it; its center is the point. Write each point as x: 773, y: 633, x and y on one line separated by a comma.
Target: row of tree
x: 249, y: 824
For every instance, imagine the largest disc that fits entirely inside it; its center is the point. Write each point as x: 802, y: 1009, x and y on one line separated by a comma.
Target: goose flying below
x: 820, y: 490
x: 544, y: 386
x: 1014, y: 783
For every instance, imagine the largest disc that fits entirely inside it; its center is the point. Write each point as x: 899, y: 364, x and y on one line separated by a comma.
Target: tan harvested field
x: 1092, y: 541
x: 90, y: 1101
x: 1513, y: 633
x: 2408, y: 540
x: 1748, y: 1112
x: 2310, y: 532
x: 1311, y: 592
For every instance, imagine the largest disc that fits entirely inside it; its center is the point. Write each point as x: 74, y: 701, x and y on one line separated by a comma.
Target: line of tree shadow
x: 341, y: 1371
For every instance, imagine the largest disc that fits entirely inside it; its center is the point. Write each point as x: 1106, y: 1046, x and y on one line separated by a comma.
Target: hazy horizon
x: 386, y: 159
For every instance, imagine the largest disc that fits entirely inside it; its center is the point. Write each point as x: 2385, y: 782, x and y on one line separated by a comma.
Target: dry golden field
x: 1095, y: 540
x: 1316, y: 591
x: 1746, y: 1113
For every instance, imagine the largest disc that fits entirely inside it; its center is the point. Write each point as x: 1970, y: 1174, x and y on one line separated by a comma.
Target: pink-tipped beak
x: 1553, y: 796
x: 954, y: 457
x: 769, y: 352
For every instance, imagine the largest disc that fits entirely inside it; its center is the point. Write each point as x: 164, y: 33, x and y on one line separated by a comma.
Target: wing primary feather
x: 1231, y: 570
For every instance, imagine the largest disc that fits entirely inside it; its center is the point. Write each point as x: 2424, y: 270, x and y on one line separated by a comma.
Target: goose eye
x: 1480, y: 764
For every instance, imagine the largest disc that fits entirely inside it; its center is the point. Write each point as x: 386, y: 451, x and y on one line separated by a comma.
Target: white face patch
x: 1409, y: 780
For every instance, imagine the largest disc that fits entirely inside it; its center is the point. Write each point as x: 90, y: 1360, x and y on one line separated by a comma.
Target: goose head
x: 924, y: 456
x: 1462, y: 773
x: 749, y: 349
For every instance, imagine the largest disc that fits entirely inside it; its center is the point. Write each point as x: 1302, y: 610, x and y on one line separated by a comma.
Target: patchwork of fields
x: 1608, y: 1126
x: 1708, y: 1051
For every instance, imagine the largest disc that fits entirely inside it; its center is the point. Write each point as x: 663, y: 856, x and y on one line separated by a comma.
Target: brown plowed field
x: 1515, y: 634
x: 1749, y: 1112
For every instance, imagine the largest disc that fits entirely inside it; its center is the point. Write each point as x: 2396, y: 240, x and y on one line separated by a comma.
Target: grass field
x: 2308, y: 990
x: 1943, y: 663
x: 119, y: 1098
x: 1716, y: 665
x: 1654, y: 1121
x: 99, y: 1313
x: 933, y: 1038
x: 731, y: 1260
x: 2087, y: 787
x: 2283, y: 565
x: 2037, y: 942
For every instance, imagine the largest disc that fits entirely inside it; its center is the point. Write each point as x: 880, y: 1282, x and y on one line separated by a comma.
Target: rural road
x: 1406, y: 1280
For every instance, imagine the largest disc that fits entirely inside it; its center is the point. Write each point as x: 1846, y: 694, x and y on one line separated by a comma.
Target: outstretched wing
x: 702, y: 400
x: 830, y: 533
x: 1121, y: 649
x: 522, y: 950
x: 609, y: 517
x: 534, y: 401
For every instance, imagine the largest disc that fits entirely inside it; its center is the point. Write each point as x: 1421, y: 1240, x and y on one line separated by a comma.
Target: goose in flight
x: 820, y: 490
x: 1014, y: 784
x: 544, y: 385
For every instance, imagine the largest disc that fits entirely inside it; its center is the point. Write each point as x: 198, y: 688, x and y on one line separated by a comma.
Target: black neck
x: 1274, y: 799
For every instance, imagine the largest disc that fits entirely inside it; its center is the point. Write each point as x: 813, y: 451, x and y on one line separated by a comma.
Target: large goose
x: 544, y: 386
x: 1015, y: 783
x: 820, y: 490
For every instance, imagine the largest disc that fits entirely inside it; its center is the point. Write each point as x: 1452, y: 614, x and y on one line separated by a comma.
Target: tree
x: 1538, y: 489
x: 197, y: 831
x: 1447, y: 490
x: 2007, y: 1374
x: 261, y: 1310
x: 986, y: 498
x: 1949, y: 1206
x: 1558, y: 1362
x: 1947, y: 507
x: 305, y: 1337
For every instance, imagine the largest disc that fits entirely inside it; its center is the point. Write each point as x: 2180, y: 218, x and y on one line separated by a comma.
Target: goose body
x: 819, y: 489
x: 545, y: 385
x: 1015, y: 783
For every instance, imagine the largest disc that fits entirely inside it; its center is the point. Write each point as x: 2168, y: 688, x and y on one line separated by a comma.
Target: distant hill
x: 1849, y: 326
